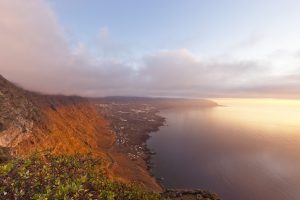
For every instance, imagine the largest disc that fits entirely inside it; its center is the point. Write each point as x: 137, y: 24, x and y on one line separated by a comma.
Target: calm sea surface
x: 246, y: 150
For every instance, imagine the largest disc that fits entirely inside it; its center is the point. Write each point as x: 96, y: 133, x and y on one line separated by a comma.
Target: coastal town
x: 132, y: 123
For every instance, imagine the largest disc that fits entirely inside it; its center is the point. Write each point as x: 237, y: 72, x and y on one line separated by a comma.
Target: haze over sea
x: 246, y: 149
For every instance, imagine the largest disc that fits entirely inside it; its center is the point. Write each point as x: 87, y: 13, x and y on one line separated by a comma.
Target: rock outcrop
x: 177, y: 194
x: 18, y: 114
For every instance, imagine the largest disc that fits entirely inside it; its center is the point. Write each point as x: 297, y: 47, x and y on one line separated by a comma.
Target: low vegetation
x: 46, y: 176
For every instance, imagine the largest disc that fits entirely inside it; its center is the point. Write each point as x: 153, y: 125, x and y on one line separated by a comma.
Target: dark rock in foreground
x: 177, y: 194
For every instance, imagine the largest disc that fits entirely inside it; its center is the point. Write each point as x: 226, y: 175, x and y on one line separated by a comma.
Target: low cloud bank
x: 36, y: 54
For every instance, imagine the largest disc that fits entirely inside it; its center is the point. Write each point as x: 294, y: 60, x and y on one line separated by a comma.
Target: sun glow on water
x: 258, y: 102
x: 271, y: 113
x: 246, y: 149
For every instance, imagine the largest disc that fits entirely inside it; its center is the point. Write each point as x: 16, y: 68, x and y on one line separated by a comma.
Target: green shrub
x: 46, y: 176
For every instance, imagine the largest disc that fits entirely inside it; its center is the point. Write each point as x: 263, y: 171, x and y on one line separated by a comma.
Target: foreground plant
x: 46, y: 176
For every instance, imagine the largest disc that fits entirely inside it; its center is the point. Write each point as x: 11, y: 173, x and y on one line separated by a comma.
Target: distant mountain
x: 161, y: 103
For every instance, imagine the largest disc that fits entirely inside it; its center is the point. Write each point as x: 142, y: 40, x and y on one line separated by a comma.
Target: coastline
x: 173, y: 193
x: 149, y: 153
x: 133, y: 124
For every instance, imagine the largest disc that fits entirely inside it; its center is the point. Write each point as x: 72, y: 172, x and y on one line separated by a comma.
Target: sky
x: 170, y: 48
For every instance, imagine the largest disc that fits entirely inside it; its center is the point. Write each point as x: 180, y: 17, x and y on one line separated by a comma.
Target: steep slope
x: 31, y: 121
x: 62, y: 125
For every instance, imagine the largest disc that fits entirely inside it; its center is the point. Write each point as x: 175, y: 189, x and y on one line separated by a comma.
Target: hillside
x: 64, y: 125
x: 31, y: 121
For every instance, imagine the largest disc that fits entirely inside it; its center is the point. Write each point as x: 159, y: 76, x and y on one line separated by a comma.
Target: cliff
x: 32, y: 122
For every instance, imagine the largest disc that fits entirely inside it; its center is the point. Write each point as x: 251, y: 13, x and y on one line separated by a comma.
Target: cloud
x: 249, y: 42
x: 35, y: 53
x: 32, y: 44
x: 182, y: 72
x: 107, y: 47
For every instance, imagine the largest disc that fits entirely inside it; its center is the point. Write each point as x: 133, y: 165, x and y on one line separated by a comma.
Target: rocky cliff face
x: 18, y: 114
x: 30, y: 121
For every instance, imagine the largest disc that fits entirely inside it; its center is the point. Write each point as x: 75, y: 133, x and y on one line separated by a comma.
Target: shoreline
x: 173, y: 193
x: 149, y: 154
x: 132, y: 125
